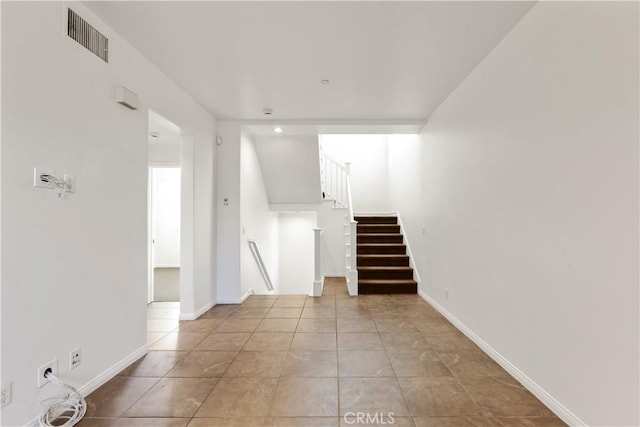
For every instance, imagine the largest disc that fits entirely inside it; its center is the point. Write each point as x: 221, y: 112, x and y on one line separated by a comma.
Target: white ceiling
x: 385, y: 60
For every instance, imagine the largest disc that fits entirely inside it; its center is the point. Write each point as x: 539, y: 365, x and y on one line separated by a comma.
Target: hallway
x: 302, y: 361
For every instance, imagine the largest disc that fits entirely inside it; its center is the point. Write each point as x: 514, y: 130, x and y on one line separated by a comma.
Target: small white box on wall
x: 127, y: 98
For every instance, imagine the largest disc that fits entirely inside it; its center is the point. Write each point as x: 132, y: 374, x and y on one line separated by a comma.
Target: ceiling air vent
x: 82, y: 32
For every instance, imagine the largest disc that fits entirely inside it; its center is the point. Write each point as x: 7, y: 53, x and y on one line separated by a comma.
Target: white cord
x: 67, y: 411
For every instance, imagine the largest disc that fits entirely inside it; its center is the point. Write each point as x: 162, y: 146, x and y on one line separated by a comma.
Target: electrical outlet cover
x: 42, y: 380
x: 75, y: 357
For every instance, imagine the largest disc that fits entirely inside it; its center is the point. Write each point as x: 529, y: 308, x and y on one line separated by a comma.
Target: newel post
x: 317, y: 274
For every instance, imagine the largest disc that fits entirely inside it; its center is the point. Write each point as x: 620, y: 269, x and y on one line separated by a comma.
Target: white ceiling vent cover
x: 85, y: 34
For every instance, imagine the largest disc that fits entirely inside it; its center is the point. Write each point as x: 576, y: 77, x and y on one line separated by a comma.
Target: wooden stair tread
x: 383, y: 264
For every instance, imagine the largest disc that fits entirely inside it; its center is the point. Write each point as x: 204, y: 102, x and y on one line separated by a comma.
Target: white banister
x: 334, y: 176
x: 317, y: 276
x: 336, y: 186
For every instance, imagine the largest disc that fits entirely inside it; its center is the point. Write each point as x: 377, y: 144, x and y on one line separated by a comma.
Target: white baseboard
x: 318, y: 286
x: 199, y: 312
x: 102, y: 378
x: 560, y: 410
x: 236, y: 300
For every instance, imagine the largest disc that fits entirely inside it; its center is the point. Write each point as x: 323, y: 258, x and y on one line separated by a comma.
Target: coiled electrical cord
x: 67, y: 411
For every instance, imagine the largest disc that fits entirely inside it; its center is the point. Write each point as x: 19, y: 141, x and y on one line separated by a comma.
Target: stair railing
x: 334, y: 181
x: 263, y: 269
x: 351, y: 249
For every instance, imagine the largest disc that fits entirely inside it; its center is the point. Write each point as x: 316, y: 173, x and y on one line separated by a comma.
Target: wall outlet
x: 53, y: 366
x: 446, y: 293
x: 74, y: 358
x: 38, y: 182
x: 5, y: 394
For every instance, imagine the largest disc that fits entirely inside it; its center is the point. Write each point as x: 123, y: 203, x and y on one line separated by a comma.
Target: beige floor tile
x: 133, y: 422
x: 526, y: 422
x: 178, y: 341
x: 239, y: 325
x: 116, y: 396
x: 395, y: 325
x: 316, y: 325
x: 301, y: 422
x: 259, y: 302
x: 319, y: 302
x: 438, y: 396
x: 295, y: 302
x: 364, y: 364
x: 153, y: 364
x: 298, y: 396
x: 310, y: 364
x: 417, y: 363
x: 379, y: 419
x: 284, y: 313
x: 200, y: 325
x: 451, y: 422
x: 203, y: 364
x: 173, y: 397
x: 471, y: 364
x: 220, y: 311
x: 277, y: 325
x: 154, y: 336
x: 257, y: 364
x: 354, y: 324
x: 314, y: 341
x: 434, y: 326
x: 162, y: 325
x: 453, y: 341
x: 382, y: 395
x: 404, y: 341
x: 318, y: 313
x: 269, y: 341
x: 239, y: 397
x: 224, y: 341
x: 503, y: 397
x: 251, y: 312
x: 360, y: 341
x: 227, y: 422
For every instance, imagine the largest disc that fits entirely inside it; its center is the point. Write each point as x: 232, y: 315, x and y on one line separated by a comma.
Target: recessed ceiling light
x: 154, y: 134
x: 277, y: 130
x: 324, y: 82
x: 267, y: 111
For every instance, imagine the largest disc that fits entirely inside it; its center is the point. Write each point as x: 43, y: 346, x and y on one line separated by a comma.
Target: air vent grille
x: 82, y: 32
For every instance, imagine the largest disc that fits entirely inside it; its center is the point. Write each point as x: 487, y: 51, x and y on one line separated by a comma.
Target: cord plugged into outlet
x: 45, y: 370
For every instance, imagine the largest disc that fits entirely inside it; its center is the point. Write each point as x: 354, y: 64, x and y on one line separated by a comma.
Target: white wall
x: 257, y: 222
x: 228, y: 213
x: 531, y: 205
x: 290, y: 166
x: 369, y: 176
x: 332, y: 221
x: 167, y: 155
x: 59, y: 113
x: 296, y: 253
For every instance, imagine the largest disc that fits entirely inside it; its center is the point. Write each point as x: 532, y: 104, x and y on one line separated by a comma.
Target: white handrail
x: 263, y: 269
x: 334, y: 181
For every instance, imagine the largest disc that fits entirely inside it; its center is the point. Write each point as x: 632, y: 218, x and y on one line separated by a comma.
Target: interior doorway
x: 165, y: 233
x: 164, y: 211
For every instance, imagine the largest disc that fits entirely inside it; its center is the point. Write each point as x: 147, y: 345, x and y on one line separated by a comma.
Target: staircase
x: 383, y: 263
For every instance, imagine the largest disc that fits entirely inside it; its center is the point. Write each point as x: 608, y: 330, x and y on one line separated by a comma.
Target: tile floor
x: 309, y: 362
